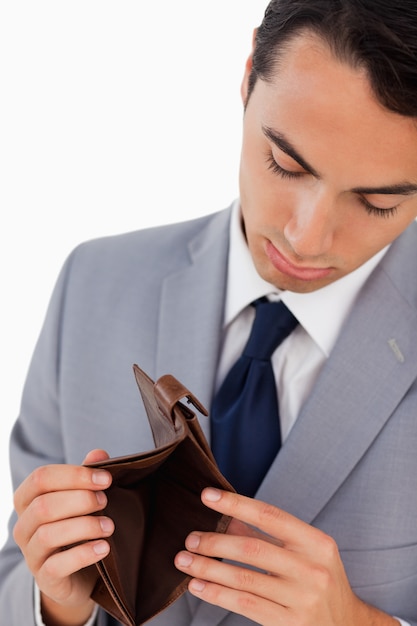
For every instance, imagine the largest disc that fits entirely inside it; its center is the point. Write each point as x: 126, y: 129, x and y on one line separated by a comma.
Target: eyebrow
x: 283, y: 144
x: 399, y: 189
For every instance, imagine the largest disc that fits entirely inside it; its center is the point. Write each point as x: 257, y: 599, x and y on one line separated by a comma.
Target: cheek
x: 362, y: 236
x: 383, y: 231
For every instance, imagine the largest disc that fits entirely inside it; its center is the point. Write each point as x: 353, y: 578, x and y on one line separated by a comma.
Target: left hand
x: 302, y: 581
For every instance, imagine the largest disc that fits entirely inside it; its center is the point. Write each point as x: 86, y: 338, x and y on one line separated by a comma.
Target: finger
x: 55, y: 506
x: 50, y: 538
x: 235, y: 577
x: 277, y: 523
x: 63, y: 564
x: 250, y: 551
x: 95, y: 456
x: 236, y: 527
x: 50, y: 478
x: 257, y: 609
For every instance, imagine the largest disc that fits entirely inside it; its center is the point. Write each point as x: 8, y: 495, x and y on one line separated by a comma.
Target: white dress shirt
x: 299, y: 359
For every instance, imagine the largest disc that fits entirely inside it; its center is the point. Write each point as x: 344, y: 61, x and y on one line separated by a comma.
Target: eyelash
x: 277, y: 169
x: 370, y: 208
x: 374, y: 210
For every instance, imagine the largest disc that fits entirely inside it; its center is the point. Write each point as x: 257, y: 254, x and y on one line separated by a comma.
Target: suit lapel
x: 369, y: 371
x: 191, y: 313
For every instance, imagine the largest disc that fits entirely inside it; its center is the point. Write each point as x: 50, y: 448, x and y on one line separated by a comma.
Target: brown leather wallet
x: 154, y: 501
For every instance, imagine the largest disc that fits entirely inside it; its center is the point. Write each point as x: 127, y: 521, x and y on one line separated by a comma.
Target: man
x: 325, y: 222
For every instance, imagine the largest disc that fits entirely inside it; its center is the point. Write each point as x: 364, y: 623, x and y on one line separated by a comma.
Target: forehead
x: 328, y: 110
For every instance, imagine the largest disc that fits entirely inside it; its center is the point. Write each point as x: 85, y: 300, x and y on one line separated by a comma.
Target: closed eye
x: 375, y: 210
x: 277, y: 169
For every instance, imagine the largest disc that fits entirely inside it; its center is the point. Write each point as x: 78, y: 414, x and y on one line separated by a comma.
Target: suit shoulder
x: 160, y: 242
x: 112, y: 263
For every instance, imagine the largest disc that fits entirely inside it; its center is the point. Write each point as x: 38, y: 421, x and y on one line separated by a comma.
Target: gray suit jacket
x: 155, y: 297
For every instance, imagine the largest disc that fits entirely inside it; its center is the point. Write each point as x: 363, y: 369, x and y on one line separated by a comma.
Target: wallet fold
x: 155, y: 502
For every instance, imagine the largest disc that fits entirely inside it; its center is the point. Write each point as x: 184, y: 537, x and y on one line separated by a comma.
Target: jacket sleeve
x: 35, y: 440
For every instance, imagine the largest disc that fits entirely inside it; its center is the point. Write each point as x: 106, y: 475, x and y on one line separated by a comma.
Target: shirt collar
x: 321, y: 312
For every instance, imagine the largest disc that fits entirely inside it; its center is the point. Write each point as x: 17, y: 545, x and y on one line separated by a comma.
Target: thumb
x: 95, y: 456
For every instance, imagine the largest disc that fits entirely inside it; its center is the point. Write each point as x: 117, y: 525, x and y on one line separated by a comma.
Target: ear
x: 248, y: 69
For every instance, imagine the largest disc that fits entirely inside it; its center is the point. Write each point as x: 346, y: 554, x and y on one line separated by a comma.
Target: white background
x: 113, y: 116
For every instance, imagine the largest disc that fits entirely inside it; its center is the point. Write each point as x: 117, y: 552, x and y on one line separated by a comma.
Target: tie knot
x: 273, y: 323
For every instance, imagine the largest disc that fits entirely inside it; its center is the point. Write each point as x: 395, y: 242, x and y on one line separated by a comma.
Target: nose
x: 311, y: 227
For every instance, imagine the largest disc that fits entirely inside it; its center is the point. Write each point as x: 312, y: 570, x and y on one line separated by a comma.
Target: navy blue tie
x: 246, y: 434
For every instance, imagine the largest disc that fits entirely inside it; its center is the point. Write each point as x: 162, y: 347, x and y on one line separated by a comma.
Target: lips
x: 284, y: 266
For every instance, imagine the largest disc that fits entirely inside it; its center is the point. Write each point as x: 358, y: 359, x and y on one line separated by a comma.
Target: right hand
x: 60, y: 538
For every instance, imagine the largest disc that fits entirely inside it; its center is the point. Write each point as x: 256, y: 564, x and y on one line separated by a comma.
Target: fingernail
x: 101, y: 547
x: 101, y: 478
x: 184, y: 559
x: 101, y: 498
x: 197, y: 585
x: 106, y: 524
x: 193, y: 541
x: 212, y: 495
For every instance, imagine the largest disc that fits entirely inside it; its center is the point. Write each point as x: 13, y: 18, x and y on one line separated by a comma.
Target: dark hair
x: 377, y: 35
